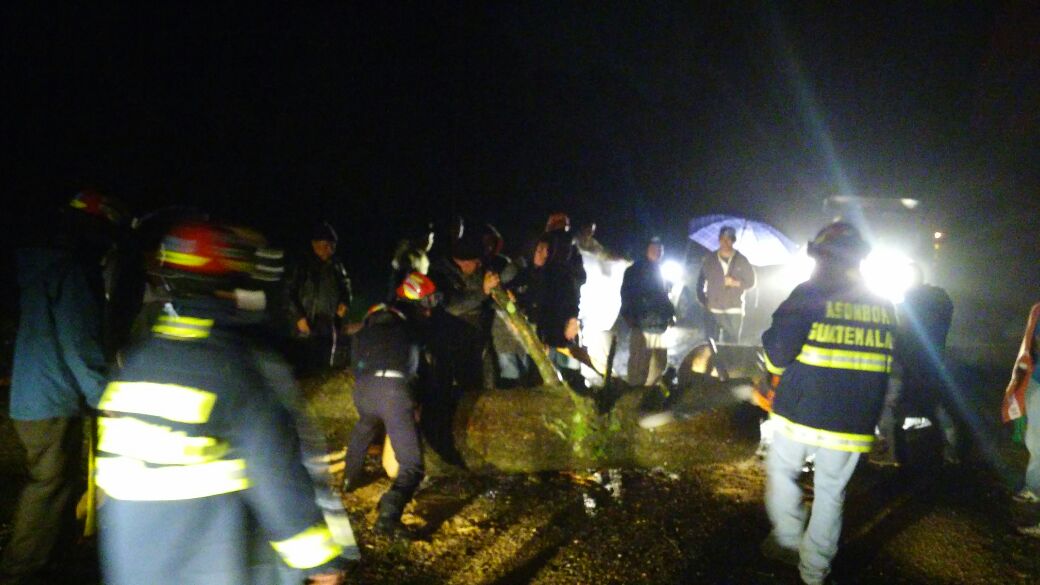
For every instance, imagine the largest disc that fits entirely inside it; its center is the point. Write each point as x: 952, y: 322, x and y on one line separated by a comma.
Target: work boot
x: 391, y: 508
x: 391, y: 528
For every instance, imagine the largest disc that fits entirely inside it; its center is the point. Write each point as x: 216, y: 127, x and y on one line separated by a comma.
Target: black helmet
x: 839, y: 242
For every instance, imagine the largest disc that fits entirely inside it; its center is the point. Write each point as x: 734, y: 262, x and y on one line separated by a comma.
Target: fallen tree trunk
x: 551, y: 428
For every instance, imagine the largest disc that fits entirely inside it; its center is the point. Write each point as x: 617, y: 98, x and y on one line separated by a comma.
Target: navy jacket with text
x: 201, y: 461
x: 832, y: 343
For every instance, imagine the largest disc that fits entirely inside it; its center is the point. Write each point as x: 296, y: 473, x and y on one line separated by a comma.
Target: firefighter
x: 388, y: 350
x: 831, y: 342
x: 198, y: 457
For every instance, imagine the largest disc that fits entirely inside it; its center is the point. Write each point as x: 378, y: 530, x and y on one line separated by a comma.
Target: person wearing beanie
x: 319, y: 295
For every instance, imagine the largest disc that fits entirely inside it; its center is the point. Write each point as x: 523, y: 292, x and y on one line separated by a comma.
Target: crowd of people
x: 187, y: 348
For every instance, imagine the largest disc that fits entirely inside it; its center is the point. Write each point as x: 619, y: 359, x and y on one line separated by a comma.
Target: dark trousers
x: 46, y: 508
x: 386, y: 402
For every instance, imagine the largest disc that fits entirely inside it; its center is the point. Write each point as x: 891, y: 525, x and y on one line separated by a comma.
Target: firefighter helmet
x: 418, y: 288
x: 100, y: 206
x: 840, y: 242
x: 211, y: 256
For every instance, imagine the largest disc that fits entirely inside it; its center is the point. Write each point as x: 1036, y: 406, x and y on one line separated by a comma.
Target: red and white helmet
x: 418, y: 288
x: 198, y: 257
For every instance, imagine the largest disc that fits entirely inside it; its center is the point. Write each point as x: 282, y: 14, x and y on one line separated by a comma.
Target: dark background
x: 638, y: 116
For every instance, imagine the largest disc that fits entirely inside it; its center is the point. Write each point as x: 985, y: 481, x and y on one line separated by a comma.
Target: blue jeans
x: 816, y: 543
x: 1032, y: 437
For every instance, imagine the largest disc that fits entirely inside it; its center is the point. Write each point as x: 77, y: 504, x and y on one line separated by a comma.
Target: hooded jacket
x: 59, y: 362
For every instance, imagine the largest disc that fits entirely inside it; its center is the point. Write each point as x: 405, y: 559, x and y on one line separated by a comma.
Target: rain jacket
x: 201, y: 463
x: 832, y: 343
x: 58, y: 359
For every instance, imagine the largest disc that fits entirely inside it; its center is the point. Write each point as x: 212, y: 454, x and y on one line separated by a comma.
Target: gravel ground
x: 927, y: 525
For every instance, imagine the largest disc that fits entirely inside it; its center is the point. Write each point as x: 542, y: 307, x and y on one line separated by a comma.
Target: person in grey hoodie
x: 59, y: 372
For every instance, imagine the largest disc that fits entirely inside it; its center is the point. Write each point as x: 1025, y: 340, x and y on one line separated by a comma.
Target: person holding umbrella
x: 724, y: 278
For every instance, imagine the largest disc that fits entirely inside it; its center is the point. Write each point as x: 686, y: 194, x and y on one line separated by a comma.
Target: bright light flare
x: 798, y: 269
x: 888, y: 273
x: 672, y: 272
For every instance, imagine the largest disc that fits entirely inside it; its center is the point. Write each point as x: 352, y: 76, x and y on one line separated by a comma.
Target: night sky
x: 638, y: 116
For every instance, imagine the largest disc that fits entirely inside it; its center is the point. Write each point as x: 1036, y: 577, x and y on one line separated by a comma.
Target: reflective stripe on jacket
x: 832, y: 341
x: 193, y: 417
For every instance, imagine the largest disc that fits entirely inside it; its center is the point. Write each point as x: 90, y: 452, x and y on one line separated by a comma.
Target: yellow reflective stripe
x: 169, y: 401
x: 124, y: 478
x: 852, y: 442
x: 183, y: 327
x: 181, y: 332
x: 844, y: 359
x: 186, y: 321
x: 181, y: 258
x: 310, y: 548
x: 773, y: 369
x: 155, y: 443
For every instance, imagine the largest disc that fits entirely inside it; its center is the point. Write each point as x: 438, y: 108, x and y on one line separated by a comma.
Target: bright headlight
x: 798, y: 270
x: 672, y: 271
x: 888, y: 273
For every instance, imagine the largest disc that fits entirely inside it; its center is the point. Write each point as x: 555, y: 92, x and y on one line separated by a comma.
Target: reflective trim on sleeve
x: 828, y: 439
x: 773, y: 369
x: 124, y: 478
x: 308, y: 549
x: 183, y: 327
x: 169, y: 401
x: 155, y: 443
x: 845, y: 359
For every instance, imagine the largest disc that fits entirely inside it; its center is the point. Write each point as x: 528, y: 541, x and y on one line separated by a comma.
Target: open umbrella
x: 763, y: 244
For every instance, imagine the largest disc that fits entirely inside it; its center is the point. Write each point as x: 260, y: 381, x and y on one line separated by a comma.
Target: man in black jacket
x: 548, y: 294
x: 925, y: 316
x: 648, y: 311
x: 319, y: 296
